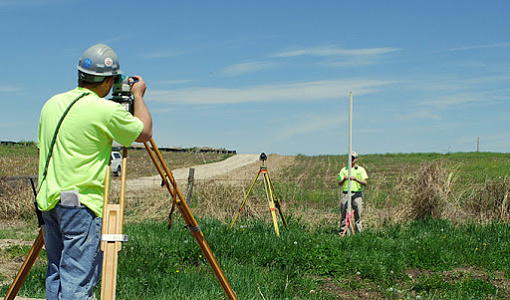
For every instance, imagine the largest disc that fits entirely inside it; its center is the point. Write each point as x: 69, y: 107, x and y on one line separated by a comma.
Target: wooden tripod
x: 113, y: 238
x: 112, y: 227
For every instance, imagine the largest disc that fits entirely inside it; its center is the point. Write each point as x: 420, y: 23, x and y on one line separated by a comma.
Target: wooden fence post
x: 191, y: 180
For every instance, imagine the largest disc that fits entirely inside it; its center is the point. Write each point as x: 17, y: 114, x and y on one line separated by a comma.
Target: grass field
x: 437, y: 227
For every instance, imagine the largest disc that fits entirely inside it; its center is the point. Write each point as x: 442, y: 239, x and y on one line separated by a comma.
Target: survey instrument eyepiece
x: 263, y: 157
x: 122, y: 92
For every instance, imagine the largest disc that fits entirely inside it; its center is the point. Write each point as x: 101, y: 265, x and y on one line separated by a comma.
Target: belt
x: 346, y: 192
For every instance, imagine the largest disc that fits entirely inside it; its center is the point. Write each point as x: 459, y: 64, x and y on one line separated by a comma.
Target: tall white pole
x: 350, y: 156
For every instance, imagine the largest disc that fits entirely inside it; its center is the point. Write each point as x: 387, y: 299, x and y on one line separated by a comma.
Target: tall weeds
x: 16, y: 199
x: 430, y: 190
x: 221, y: 201
x: 489, y: 202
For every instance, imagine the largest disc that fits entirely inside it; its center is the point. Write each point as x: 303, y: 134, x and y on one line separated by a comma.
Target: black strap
x: 38, y: 212
x: 55, y: 138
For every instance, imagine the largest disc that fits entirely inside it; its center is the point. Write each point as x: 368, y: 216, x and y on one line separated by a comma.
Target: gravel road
x: 202, y: 172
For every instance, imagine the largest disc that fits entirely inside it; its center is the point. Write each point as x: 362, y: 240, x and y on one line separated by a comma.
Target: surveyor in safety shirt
x: 358, y: 180
x: 73, y: 161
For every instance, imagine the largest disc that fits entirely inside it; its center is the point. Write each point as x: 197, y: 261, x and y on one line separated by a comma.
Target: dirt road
x: 202, y: 172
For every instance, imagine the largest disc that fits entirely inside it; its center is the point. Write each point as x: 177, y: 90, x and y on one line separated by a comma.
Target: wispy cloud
x: 462, y: 99
x: 444, y: 91
x: 14, y: 125
x: 247, y: 67
x: 173, y: 82
x: 33, y: 3
x: 120, y: 37
x: 163, y: 54
x: 497, y: 45
x: 330, y: 51
x: 314, y: 123
x: 161, y: 110
x: 299, y: 91
x: 349, y: 62
x: 340, y: 57
x: 8, y: 89
x: 446, y: 84
x: 417, y: 115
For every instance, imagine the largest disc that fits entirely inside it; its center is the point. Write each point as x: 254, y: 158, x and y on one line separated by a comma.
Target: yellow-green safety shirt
x: 358, y: 172
x: 82, y: 150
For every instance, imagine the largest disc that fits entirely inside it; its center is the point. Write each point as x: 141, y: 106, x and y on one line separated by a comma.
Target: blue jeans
x: 72, y: 236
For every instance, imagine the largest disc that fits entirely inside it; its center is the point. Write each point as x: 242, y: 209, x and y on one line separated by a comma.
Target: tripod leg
x: 192, y: 225
x: 32, y: 254
x: 111, y: 250
x: 270, y: 200
x: 351, y: 217
x: 277, y: 201
x: 25, y: 268
x: 112, y: 233
x: 244, y: 201
x: 346, y: 224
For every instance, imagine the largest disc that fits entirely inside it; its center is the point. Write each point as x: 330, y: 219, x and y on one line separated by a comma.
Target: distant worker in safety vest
x: 359, y: 179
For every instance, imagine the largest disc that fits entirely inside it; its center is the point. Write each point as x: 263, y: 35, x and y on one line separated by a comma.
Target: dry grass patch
x: 16, y: 199
x: 430, y: 189
x: 489, y: 202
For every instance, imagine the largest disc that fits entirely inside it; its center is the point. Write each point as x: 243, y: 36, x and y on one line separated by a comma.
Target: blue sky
x: 275, y: 76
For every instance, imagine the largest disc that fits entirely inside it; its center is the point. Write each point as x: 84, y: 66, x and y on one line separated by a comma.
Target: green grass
x: 25, y: 232
x: 316, y: 175
x: 18, y: 159
x: 402, y: 259
x: 430, y: 259
x: 21, y: 148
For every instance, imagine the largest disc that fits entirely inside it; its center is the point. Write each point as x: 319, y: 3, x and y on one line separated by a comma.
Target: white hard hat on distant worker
x: 98, y: 62
x: 354, y: 154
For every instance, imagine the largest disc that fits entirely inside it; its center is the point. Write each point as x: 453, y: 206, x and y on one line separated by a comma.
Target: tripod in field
x: 112, y: 237
x: 272, y: 198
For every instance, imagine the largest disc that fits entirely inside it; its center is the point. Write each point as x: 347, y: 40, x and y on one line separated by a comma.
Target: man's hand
x: 362, y: 182
x: 138, y: 86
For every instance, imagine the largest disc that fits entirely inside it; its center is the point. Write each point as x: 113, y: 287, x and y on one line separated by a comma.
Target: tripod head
x: 263, y: 157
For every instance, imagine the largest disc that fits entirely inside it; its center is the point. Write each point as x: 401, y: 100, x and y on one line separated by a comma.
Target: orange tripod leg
x: 191, y: 223
x: 348, y: 223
